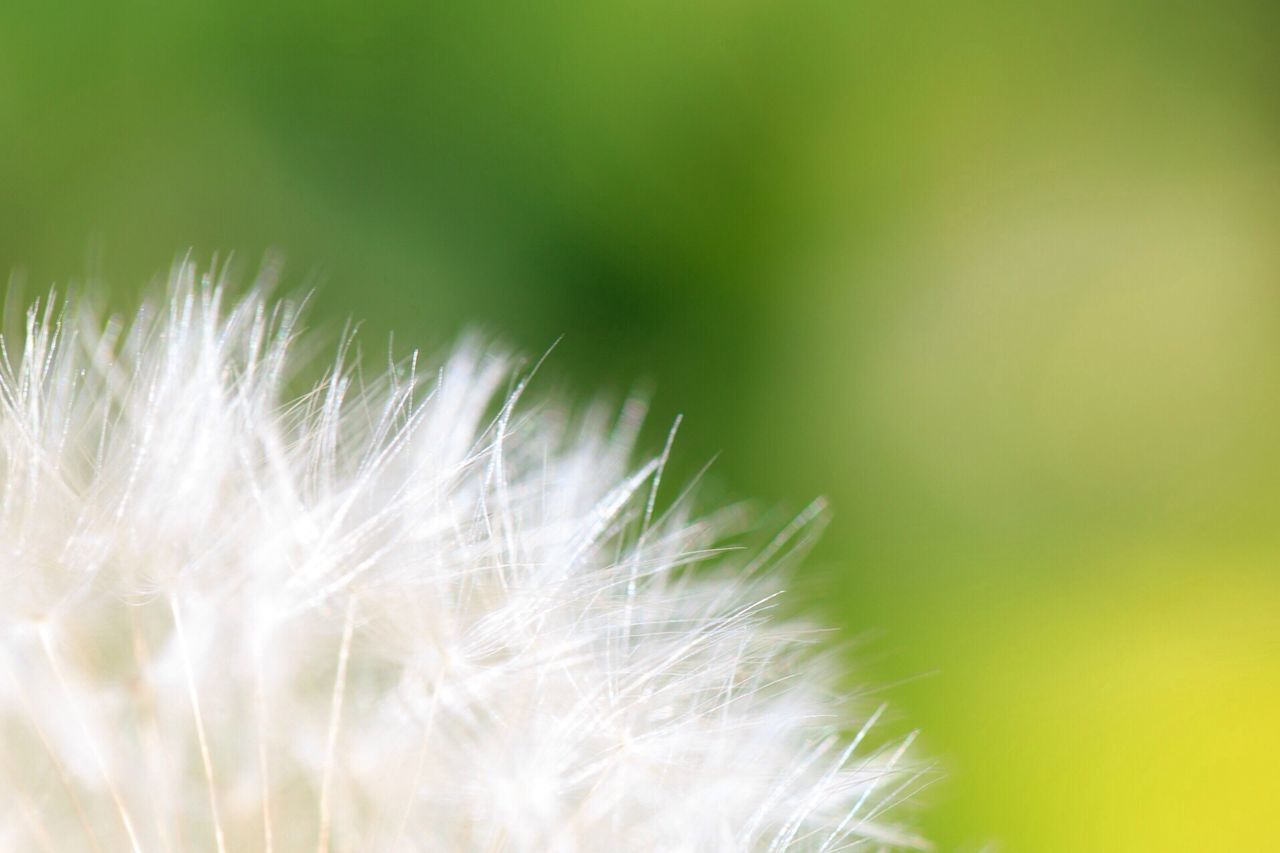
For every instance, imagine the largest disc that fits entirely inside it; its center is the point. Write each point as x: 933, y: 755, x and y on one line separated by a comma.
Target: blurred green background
x: 1001, y: 279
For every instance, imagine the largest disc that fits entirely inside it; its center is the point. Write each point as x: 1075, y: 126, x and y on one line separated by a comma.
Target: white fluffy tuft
x: 410, y: 612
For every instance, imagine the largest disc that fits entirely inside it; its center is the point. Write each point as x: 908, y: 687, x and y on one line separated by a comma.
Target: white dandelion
x: 405, y: 612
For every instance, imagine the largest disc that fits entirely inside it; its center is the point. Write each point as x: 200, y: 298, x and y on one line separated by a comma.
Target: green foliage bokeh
x: 1000, y: 279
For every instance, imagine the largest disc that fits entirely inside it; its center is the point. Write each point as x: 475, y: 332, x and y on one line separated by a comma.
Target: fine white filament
x: 410, y: 611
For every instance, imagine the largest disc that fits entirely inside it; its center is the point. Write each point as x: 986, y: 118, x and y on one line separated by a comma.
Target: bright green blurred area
x: 1002, y: 280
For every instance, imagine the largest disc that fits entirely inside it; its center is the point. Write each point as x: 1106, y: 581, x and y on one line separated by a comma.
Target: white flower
x: 401, y: 612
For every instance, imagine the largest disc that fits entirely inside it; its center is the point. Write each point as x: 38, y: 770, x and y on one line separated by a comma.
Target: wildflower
x: 403, y: 612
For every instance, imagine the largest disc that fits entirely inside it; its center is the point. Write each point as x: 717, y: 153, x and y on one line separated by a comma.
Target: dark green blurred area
x: 1002, y: 280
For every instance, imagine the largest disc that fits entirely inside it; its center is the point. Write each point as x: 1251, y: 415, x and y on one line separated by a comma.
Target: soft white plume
x: 405, y: 612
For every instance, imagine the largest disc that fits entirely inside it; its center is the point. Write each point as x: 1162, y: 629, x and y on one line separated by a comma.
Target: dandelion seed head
x: 409, y: 609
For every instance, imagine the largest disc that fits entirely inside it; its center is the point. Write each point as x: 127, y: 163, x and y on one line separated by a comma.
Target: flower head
x: 411, y: 611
